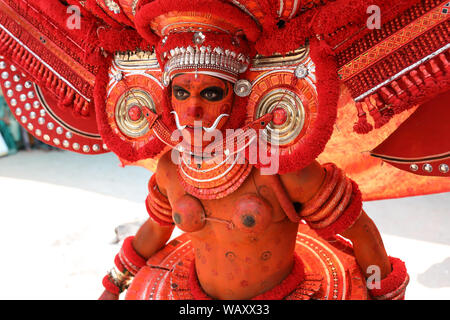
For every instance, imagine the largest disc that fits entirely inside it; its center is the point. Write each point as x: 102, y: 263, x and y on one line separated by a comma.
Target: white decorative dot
x: 69, y: 135
x: 30, y: 126
x: 19, y: 87
x: 46, y: 137
x: 2, y: 65
x: 23, y: 97
x: 50, y: 126
x: 27, y: 106
x: 96, y: 147
x: 444, y: 168
x: 13, y: 68
x: 23, y: 119
x: 5, y: 75
x: 16, y: 78
x: 42, y: 112
x: 428, y: 167
x: 76, y: 146
x: 18, y: 112
x: 38, y: 132
x: 41, y: 121
x: 59, y: 130
x: 13, y: 102
x: 56, y: 141
x: 9, y: 93
x: 8, y: 84
x: 66, y: 143
x: 31, y: 94
x: 36, y: 104
x: 86, y: 148
x: 32, y: 115
x: 105, y: 147
x: 28, y: 84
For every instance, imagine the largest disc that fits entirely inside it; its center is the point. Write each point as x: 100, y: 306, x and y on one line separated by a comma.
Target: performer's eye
x: 180, y: 94
x: 213, y: 93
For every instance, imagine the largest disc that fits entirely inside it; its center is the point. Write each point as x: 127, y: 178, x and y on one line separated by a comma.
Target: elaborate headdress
x: 206, y: 37
x: 86, y: 82
x: 296, y: 87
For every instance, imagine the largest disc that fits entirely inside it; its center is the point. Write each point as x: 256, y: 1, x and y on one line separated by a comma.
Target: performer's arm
x: 368, y: 246
x: 331, y: 204
x: 150, y: 238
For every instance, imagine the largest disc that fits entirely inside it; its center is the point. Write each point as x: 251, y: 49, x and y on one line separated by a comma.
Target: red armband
x: 158, y: 206
x: 128, y: 259
x: 336, y: 206
x: 392, y: 287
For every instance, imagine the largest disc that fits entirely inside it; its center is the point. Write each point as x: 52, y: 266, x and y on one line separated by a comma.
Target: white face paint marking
x: 177, y: 121
x: 209, y: 130
x: 216, y: 123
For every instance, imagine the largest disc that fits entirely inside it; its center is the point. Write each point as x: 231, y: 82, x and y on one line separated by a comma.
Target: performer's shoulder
x: 301, y: 185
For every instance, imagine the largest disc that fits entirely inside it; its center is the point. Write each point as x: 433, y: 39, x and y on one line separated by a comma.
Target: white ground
x: 59, y: 211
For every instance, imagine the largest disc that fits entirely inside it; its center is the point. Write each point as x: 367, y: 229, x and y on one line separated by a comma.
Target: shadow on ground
x: 437, y: 276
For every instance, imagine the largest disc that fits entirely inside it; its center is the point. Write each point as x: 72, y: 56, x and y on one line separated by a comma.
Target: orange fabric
x: 376, y: 179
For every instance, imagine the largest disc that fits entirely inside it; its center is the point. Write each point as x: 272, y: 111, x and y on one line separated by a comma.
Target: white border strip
x: 43, y: 62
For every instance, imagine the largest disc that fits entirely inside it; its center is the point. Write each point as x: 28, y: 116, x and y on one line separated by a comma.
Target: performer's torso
x: 246, y: 245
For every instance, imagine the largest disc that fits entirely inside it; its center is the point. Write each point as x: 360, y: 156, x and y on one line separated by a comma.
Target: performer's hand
x: 106, y: 295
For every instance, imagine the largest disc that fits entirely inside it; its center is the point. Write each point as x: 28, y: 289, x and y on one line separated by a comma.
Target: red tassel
x: 85, y: 109
x: 379, y: 121
x: 386, y: 94
x: 398, y: 100
x: 435, y: 69
x: 386, y: 112
x: 409, y: 85
x: 416, y: 78
x: 445, y: 62
x: 427, y: 77
x: 379, y: 101
x: 70, y: 95
x: 362, y: 126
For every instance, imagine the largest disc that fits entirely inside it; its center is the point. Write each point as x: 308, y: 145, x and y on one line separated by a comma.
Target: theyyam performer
x: 233, y: 104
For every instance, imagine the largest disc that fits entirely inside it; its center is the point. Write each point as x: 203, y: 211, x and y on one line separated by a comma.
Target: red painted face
x: 201, y: 98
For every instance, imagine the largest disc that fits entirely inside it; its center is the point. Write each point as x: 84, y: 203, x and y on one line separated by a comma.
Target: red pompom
x: 362, y: 126
x: 110, y: 286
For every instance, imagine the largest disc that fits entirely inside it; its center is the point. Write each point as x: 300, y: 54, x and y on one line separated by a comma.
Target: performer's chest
x: 251, y: 209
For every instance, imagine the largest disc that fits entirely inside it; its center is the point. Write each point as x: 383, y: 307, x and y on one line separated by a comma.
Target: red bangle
x: 110, y: 286
x: 157, y: 204
x: 119, y: 264
x: 392, y: 287
x: 129, y: 258
x: 162, y: 220
x: 347, y: 219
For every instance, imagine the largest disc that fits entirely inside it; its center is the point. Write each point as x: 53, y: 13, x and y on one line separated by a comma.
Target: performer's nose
x: 195, y: 112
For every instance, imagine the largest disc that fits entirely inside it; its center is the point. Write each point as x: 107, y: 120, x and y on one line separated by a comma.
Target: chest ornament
x: 211, y: 180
